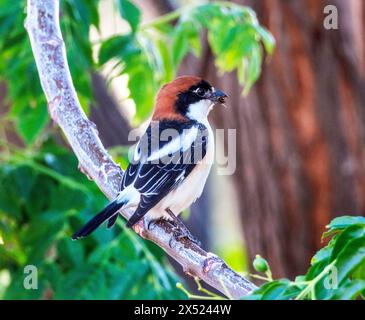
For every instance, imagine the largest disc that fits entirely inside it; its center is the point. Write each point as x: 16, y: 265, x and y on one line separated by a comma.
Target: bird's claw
x: 178, y: 234
x: 150, y: 223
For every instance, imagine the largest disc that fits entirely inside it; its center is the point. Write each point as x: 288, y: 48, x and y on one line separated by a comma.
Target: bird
x: 171, y: 161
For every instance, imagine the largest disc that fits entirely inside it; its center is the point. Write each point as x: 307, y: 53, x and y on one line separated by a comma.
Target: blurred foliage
x: 43, y: 200
x: 17, y: 67
x: 43, y: 197
x: 149, y: 54
x: 234, y: 254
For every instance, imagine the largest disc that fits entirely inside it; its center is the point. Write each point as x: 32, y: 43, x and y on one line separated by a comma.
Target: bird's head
x: 186, y: 97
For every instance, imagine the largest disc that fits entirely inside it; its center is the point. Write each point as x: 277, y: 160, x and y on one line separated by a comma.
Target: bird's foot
x: 179, y: 233
x: 152, y: 223
x: 179, y: 230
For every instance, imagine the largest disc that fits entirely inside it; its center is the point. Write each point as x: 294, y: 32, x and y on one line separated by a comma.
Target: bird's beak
x: 218, y: 96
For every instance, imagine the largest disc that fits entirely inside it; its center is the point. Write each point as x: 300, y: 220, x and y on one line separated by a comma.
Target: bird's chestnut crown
x: 186, y: 97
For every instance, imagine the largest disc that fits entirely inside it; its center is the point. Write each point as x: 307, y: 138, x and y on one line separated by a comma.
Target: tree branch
x: 48, y: 47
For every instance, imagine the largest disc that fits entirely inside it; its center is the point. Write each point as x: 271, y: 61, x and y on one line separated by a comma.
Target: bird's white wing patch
x: 180, y: 143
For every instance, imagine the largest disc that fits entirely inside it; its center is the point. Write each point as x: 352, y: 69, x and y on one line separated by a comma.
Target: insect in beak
x: 218, y: 96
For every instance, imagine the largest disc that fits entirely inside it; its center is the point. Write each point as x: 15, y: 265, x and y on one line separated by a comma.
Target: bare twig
x: 64, y: 108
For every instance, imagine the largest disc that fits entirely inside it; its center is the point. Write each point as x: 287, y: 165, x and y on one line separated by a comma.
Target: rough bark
x: 49, y: 52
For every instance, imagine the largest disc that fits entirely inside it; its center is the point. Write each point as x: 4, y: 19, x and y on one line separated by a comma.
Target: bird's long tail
x: 110, y: 212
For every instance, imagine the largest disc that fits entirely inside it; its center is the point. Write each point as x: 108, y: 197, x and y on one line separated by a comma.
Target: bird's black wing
x: 173, y: 151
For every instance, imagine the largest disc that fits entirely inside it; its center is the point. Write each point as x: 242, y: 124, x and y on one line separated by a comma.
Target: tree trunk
x: 112, y: 125
x: 301, y: 131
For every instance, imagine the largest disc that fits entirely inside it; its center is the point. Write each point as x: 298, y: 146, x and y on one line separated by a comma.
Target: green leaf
x: 180, y: 46
x: 350, y: 233
x: 168, y: 67
x: 118, y: 280
x: 276, y: 290
x: 7, y: 9
x: 323, y: 254
x: 350, y: 258
x: 70, y: 252
x: 32, y: 121
x: 117, y: 46
x: 86, y: 282
x: 24, y: 179
x: 359, y: 273
x: 316, y: 269
x: 53, y: 275
x: 141, y: 80
x: 85, y: 12
x: 192, y: 31
x: 16, y: 290
x: 350, y: 291
x: 254, y: 67
x: 19, y: 182
x: 345, y: 221
x: 130, y: 13
x: 230, y: 37
x: 267, y: 39
x: 131, y: 272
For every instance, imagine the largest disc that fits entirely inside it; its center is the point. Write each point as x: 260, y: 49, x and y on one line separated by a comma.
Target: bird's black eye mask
x: 194, y: 94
